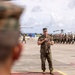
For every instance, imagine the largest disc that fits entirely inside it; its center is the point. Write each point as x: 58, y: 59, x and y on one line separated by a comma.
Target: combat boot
x: 44, y: 72
x: 51, y: 72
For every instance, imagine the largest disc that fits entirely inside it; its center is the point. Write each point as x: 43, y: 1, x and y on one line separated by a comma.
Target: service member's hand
x: 52, y: 43
x: 45, y: 39
x: 49, y: 42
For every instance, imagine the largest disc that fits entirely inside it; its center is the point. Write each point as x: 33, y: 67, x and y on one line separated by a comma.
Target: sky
x: 52, y: 14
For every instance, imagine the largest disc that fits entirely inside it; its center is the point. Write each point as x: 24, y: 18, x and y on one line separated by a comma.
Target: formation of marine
x: 64, y: 38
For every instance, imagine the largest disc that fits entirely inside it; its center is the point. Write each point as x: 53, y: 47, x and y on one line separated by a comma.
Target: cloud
x: 36, y: 9
x: 55, y: 14
x: 72, y: 4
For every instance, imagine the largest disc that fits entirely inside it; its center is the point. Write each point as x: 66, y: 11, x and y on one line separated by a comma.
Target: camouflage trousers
x: 44, y: 57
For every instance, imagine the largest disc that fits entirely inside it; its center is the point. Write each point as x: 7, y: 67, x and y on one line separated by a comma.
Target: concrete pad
x: 63, y: 57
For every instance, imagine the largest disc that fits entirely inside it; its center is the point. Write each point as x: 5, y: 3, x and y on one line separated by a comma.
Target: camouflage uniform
x: 24, y: 38
x: 45, y: 52
x: 9, y: 23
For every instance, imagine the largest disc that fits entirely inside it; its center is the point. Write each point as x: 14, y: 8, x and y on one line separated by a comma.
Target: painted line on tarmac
x: 48, y: 71
x: 61, y: 72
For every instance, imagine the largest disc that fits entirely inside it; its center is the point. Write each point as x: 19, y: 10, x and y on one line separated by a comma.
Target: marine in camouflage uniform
x: 45, y: 42
x: 24, y: 40
x: 10, y: 48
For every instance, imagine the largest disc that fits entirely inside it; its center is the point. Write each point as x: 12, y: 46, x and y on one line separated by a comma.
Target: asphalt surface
x: 63, y: 57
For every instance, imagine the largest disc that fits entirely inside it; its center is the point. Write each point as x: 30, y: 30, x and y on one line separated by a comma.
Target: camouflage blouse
x: 45, y: 46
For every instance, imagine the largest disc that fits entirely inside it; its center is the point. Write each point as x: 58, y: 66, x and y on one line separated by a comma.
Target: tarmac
x: 63, y: 57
